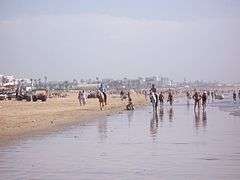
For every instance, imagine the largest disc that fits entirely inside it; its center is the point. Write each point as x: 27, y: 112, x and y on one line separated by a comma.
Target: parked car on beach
x: 39, y: 94
x: 3, y: 97
x: 11, y: 95
x: 24, y: 96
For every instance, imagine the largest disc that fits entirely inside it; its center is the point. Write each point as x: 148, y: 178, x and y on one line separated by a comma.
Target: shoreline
x: 23, y: 119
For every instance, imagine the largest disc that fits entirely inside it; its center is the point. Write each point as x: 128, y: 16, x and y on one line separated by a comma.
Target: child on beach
x: 130, y: 105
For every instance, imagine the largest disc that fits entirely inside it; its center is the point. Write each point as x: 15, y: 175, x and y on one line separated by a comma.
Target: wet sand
x: 23, y: 118
x: 175, y: 143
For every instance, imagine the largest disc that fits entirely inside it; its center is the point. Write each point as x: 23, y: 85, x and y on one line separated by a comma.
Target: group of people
x: 198, y: 98
x: 82, y: 98
x: 101, y: 95
x: 155, y: 97
x: 127, y: 96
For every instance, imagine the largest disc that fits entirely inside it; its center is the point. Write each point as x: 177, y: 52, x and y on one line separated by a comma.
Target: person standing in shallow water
x: 212, y: 95
x: 170, y: 98
x: 188, y: 95
x: 239, y: 94
x: 196, y: 99
x: 234, y: 96
x: 161, y: 98
x: 154, y: 91
x: 204, y: 100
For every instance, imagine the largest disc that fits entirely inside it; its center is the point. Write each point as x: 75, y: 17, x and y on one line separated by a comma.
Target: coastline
x: 18, y: 119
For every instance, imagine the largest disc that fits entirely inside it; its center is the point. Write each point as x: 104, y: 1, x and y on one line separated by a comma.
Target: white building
x: 7, y: 80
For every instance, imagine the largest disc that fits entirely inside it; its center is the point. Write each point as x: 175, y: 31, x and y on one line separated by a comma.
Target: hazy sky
x: 66, y: 39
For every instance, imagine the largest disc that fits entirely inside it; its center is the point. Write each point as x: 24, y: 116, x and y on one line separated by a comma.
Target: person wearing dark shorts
x: 161, y: 98
x: 234, y: 96
x: 196, y: 99
x: 239, y: 94
x: 204, y: 100
x: 170, y: 98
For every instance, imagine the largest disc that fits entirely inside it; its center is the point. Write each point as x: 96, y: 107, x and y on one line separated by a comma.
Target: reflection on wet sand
x: 161, y: 113
x: 170, y: 114
x: 147, y: 150
x: 130, y: 117
x: 200, y: 118
x: 188, y: 105
x: 204, y: 118
x: 102, y: 129
x: 154, y: 124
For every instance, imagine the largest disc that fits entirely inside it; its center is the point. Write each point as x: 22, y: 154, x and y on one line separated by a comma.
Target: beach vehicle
x: 219, y: 96
x: 3, y: 97
x: 11, y: 95
x: 24, y: 96
x: 39, y: 94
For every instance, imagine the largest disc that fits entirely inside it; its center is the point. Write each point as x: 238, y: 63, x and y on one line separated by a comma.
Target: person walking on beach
x: 154, y: 91
x: 204, y: 100
x: 161, y: 98
x: 102, y: 88
x: 234, y: 96
x: 196, y: 99
x: 82, y: 98
x: 170, y: 98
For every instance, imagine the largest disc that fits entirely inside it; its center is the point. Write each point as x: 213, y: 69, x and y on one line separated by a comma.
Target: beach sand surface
x: 21, y: 117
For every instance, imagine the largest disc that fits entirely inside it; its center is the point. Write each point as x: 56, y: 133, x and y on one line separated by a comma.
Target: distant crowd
x: 156, y: 97
x: 200, y: 98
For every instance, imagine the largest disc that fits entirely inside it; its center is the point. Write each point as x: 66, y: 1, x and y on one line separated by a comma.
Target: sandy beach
x: 20, y: 117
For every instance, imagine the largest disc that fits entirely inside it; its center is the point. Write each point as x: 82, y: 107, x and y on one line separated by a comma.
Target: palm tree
x: 45, y: 81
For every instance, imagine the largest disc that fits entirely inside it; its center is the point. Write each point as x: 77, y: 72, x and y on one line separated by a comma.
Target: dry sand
x: 20, y: 117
